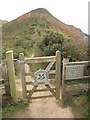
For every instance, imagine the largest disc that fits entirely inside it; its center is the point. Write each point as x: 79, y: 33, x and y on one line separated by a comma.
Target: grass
x: 0, y: 113
x: 78, y: 103
x: 10, y: 108
x: 30, y: 52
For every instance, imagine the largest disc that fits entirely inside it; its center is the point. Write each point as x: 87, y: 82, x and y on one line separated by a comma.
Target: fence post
x: 22, y: 70
x: 65, y: 60
x: 6, y: 80
x: 58, y: 74
x: 11, y: 75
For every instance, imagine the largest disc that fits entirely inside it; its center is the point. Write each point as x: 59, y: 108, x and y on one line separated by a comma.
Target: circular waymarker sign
x: 41, y: 76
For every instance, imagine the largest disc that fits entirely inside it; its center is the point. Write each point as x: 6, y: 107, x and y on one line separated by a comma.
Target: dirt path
x: 41, y: 108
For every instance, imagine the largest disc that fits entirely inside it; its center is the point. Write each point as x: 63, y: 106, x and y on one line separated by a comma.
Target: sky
x: 72, y: 12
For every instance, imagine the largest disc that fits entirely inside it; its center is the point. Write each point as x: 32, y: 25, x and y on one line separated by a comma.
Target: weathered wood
x: 0, y: 71
x: 50, y: 66
x: 4, y: 62
x: 5, y: 78
x: 78, y: 63
x: 2, y: 89
x: 40, y: 97
x: 22, y: 70
x: 65, y: 61
x: 32, y: 91
x: 11, y: 75
x: 41, y: 90
x: 29, y: 83
x: 52, y: 71
x: 63, y: 75
x: 40, y: 59
x: 74, y: 72
x: 50, y: 89
x: 58, y: 74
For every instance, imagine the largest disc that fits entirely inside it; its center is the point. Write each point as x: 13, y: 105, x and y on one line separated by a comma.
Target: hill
x: 26, y: 29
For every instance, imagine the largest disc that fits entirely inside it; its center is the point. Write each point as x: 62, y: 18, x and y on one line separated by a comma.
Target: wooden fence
x: 76, y: 74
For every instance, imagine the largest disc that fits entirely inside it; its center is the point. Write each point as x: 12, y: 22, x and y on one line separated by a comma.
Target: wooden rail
x: 41, y: 90
x: 78, y: 63
x: 40, y: 59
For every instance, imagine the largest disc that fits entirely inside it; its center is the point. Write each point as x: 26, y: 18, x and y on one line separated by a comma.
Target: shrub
x: 16, y: 52
x: 50, y: 42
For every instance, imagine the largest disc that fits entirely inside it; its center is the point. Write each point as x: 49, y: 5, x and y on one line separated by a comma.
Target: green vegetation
x: 21, y: 37
x: 78, y: 104
x: 22, y: 34
x: 52, y: 41
x: 15, y: 52
x: 0, y: 113
x: 48, y: 43
x: 12, y: 107
x: 74, y: 51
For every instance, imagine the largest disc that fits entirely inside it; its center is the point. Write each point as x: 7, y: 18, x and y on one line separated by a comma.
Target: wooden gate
x: 53, y: 60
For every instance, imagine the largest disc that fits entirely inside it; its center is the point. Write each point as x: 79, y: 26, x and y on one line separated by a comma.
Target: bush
x: 74, y: 51
x: 16, y: 52
x: 50, y: 42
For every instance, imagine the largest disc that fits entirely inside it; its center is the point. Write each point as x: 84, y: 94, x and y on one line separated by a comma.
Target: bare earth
x: 41, y: 108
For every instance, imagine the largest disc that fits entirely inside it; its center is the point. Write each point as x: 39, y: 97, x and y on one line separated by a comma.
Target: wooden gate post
x: 58, y: 74
x: 65, y: 60
x: 11, y: 75
x: 22, y: 69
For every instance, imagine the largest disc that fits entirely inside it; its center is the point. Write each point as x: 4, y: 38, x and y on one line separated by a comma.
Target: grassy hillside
x: 22, y: 33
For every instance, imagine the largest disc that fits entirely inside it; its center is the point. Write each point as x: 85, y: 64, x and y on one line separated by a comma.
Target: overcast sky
x: 73, y: 12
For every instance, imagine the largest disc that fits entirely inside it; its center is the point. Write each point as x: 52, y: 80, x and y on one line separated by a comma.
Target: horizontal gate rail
x: 40, y: 59
x: 41, y: 90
